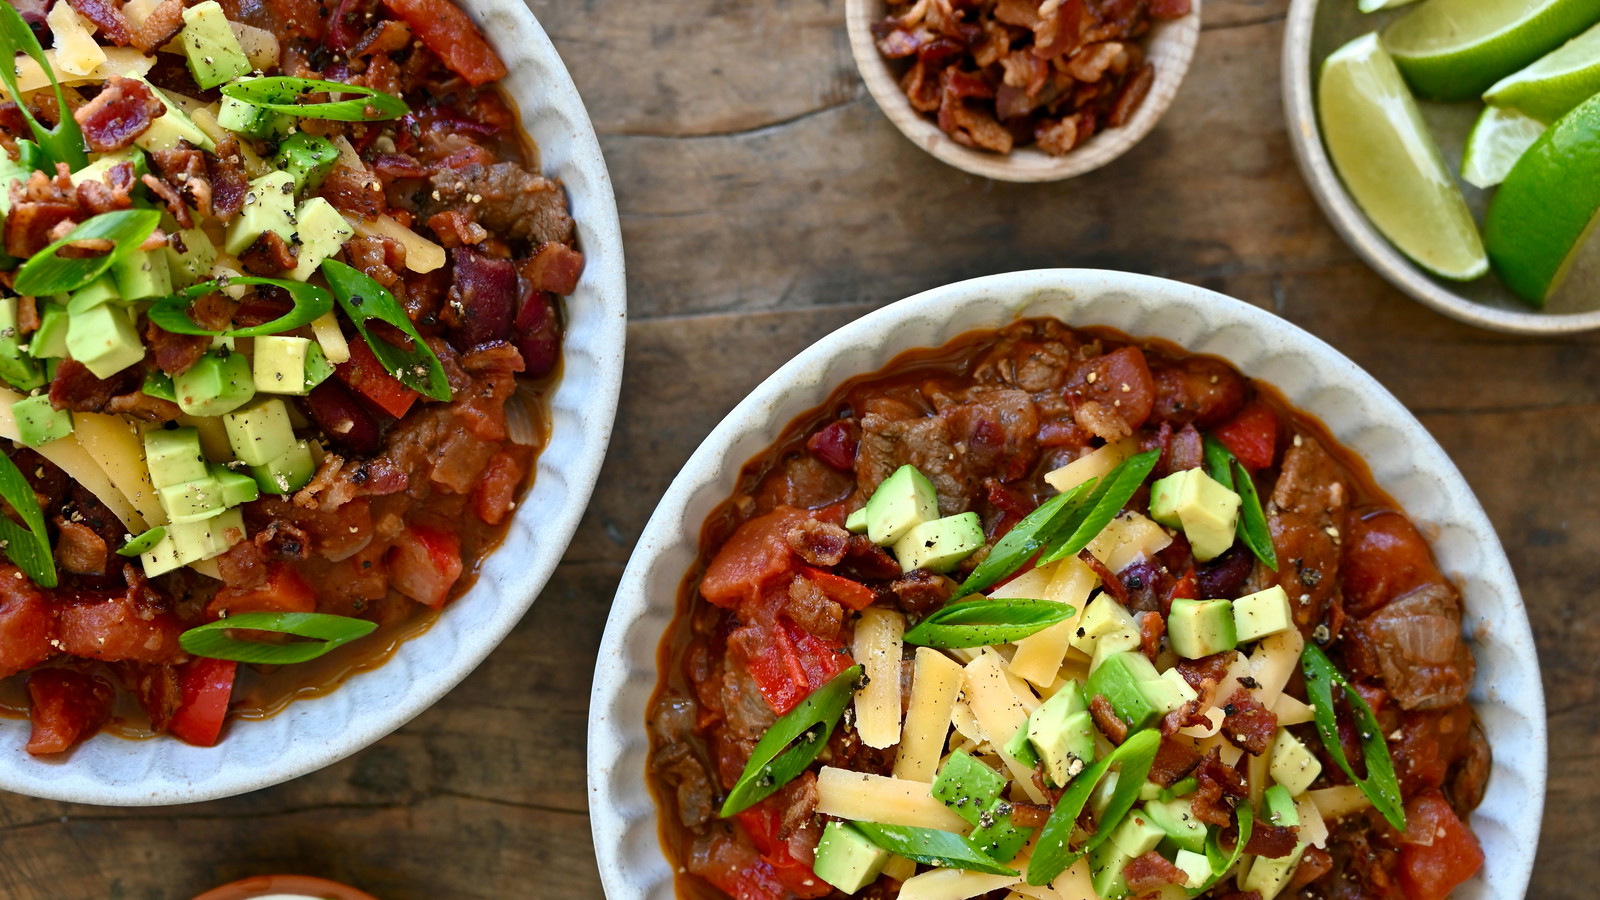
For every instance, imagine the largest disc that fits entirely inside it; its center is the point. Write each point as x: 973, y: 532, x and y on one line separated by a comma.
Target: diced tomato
x: 794, y: 664
x: 1252, y: 435
x: 423, y: 564
x: 66, y: 707
x: 207, y: 685
x: 283, y: 590
x: 839, y: 589
x: 1438, y: 851
x: 445, y: 29
x: 763, y: 823
x: 755, y: 555
x: 117, y: 627
x: 367, y: 377
x: 749, y: 878
x: 1186, y: 588
x: 27, y: 623
x: 497, y: 488
x: 1385, y: 557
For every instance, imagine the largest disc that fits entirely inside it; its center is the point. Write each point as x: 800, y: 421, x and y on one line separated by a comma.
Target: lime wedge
x: 1547, y: 206
x: 1390, y: 163
x: 1368, y: 6
x: 1558, y: 82
x: 1498, y: 140
x: 1456, y: 49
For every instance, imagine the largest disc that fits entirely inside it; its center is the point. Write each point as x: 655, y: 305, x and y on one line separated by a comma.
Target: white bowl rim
x: 1024, y: 164
x: 623, y: 814
x: 1305, y: 138
x: 162, y: 771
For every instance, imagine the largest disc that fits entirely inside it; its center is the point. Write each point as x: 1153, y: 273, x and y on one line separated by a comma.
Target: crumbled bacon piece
x: 818, y: 543
x: 107, y: 17
x: 1151, y: 872
x: 170, y: 196
x: 268, y: 256
x: 76, y: 388
x: 1151, y: 628
x: 1249, y: 724
x: 1106, y: 719
x: 1219, y: 792
x: 228, y: 183
x: 160, y: 26
x: 1272, y: 841
x: 1174, y: 760
x: 554, y: 268
x: 38, y: 206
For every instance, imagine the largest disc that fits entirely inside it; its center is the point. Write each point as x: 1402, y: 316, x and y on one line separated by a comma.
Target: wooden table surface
x: 765, y: 201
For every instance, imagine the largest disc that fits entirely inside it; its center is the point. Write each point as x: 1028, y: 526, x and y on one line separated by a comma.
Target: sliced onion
x: 521, y: 426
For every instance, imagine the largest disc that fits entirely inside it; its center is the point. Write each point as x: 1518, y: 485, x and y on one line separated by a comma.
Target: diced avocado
x: 904, y: 500
x: 322, y: 233
x: 159, y: 384
x: 1116, y: 642
x: 1062, y: 734
x: 1103, y: 616
x: 1106, y: 863
x: 1183, y: 788
x: 20, y: 370
x: 250, y: 120
x: 103, y: 339
x: 1197, y: 628
x: 279, y: 366
x: 50, y: 341
x: 940, y: 545
x: 967, y: 786
x: 192, y: 501
x: 190, y: 256
x: 1195, y: 865
x: 1262, y: 613
x: 39, y: 423
x: 998, y: 836
x: 846, y: 859
x: 1280, y: 807
x: 10, y: 170
x: 1149, y: 791
x: 287, y: 473
x: 1137, y: 834
x: 260, y: 431
x: 1120, y: 678
x: 1168, y: 692
x: 162, y: 558
x: 237, y: 487
x: 206, y: 538
x: 308, y: 158
x: 856, y: 522
x: 1268, y: 876
x: 167, y: 130
x: 173, y: 456
x: 98, y: 292
x: 268, y: 206
x: 211, y: 47
x: 1176, y: 819
x: 219, y: 382
x: 96, y: 171
x: 143, y: 274
x: 1207, y: 512
x: 1020, y: 749
x: 318, y: 369
x: 1293, y: 766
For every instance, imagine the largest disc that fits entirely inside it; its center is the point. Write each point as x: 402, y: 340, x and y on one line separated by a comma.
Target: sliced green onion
x: 1108, y: 499
x: 1381, y: 786
x: 1024, y: 540
x: 28, y: 547
x: 281, y: 93
x: 792, y: 743
x: 331, y: 632
x: 984, y: 623
x: 1054, y: 854
x: 932, y: 848
x: 1222, y: 862
x: 1226, y: 469
x: 46, y: 273
x: 143, y: 542
x: 363, y: 299
x: 64, y: 143
x: 310, y: 303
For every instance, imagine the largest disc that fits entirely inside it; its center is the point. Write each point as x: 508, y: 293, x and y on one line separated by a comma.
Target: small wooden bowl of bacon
x: 1024, y: 90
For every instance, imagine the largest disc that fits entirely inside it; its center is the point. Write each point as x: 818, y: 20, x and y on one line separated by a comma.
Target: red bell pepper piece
x: 1438, y: 851
x: 283, y: 590
x: 366, y: 376
x: 839, y: 589
x: 206, y: 686
x: 1252, y: 435
x: 65, y: 707
x: 424, y: 563
x: 442, y: 27
x: 797, y: 664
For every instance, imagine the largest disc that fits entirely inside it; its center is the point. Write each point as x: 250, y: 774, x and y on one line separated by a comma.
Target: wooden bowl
x: 1169, y: 45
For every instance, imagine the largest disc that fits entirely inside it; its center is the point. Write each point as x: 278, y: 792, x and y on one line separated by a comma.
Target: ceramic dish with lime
x: 1449, y: 141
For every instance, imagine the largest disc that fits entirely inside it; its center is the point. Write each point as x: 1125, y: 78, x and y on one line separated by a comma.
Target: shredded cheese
x: 936, y: 682
x: 1128, y: 538
x: 1275, y: 660
x: 136, y: 11
x: 69, y: 456
x: 1039, y: 656
x: 953, y: 884
x: 999, y: 714
x: 76, y: 50
x: 963, y: 721
x: 1313, y: 830
x: 422, y: 255
x: 899, y: 868
x: 861, y: 797
x: 1077, y: 882
x: 125, y: 61
x: 1256, y: 776
x: 1335, y: 803
x: 1091, y: 465
x: 1030, y: 585
x: 1291, y: 711
x: 878, y: 648
x: 116, y: 445
x: 331, y: 338
x: 259, y: 45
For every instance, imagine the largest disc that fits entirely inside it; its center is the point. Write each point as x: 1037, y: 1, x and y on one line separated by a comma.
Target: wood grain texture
x: 765, y: 201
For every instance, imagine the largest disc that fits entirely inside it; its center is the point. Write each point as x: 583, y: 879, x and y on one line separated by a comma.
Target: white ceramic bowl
x: 1404, y: 458
x: 1169, y: 45
x: 311, y: 734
